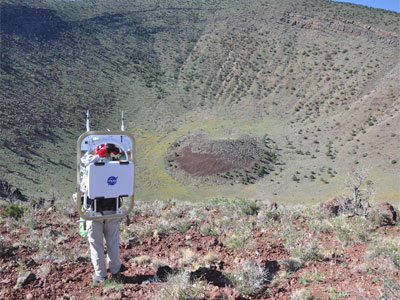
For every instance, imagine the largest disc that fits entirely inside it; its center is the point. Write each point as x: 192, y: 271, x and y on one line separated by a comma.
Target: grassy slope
x: 222, y: 68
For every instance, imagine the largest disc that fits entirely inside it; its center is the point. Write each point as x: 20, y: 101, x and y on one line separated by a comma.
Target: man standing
x: 109, y: 228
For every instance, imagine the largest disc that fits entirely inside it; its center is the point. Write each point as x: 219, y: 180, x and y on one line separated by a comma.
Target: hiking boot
x: 99, y: 279
x: 118, y: 277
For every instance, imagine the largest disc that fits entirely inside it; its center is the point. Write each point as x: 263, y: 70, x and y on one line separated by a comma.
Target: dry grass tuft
x: 143, y: 260
x: 188, y: 257
x: 179, y: 287
x: 301, y: 294
x: 249, y: 277
x: 210, y: 258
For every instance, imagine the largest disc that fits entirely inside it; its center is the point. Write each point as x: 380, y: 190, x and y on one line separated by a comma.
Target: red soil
x: 347, y: 272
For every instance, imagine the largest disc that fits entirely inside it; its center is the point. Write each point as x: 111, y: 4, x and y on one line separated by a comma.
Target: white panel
x: 90, y: 142
x: 110, y: 180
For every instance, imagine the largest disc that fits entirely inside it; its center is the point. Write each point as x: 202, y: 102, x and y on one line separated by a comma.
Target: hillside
x: 217, y: 249
x: 319, y: 79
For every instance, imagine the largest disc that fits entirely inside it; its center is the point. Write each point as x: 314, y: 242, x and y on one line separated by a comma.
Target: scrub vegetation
x: 318, y: 77
x: 218, y: 249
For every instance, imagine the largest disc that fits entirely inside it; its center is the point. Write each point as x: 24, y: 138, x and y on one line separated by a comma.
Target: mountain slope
x: 318, y: 77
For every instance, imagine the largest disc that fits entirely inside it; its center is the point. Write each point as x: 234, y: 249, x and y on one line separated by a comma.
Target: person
x: 108, y: 228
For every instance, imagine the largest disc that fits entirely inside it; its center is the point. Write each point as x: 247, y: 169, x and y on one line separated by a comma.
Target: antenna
x: 122, y: 123
x: 87, y: 121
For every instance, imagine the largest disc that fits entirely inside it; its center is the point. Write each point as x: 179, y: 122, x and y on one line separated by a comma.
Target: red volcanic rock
x: 29, y: 296
x: 24, y: 279
x: 331, y: 206
x: 387, y: 214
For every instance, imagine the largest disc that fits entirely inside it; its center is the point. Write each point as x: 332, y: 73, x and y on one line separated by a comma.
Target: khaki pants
x: 110, y: 229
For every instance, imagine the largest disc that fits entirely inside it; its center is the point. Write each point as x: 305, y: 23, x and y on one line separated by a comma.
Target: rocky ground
x: 221, y: 249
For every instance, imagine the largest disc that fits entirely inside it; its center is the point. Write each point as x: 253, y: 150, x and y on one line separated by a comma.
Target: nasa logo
x: 112, y: 180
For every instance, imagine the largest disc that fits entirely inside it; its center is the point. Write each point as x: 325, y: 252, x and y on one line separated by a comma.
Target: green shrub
x: 389, y: 249
x: 319, y: 224
x: 239, y: 239
x: 44, y: 243
x: 237, y: 206
x: 268, y: 218
x: 247, y: 207
x: 221, y: 200
x: 260, y: 171
x: 309, y: 253
x: 209, y: 229
x: 291, y: 265
x: 184, y: 226
x: 13, y: 211
x: 357, y: 229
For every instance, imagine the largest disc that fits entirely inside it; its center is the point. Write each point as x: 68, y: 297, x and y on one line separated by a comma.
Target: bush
x: 381, y: 218
x: 249, y: 278
x: 241, y: 206
x: 309, y: 253
x: 292, y: 265
x: 268, y: 218
x: 260, y: 171
x: 249, y: 208
x: 389, y: 249
x: 43, y: 243
x: 239, y: 239
x: 209, y: 229
x: 13, y: 211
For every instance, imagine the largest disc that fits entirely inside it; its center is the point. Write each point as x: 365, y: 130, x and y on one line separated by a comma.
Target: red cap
x: 101, y: 151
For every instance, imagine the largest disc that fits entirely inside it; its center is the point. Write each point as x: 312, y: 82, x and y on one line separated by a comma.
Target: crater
x: 198, y: 158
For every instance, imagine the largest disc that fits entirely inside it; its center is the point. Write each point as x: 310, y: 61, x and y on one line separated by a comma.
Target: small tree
x: 357, y: 201
x: 294, y: 178
x: 260, y: 171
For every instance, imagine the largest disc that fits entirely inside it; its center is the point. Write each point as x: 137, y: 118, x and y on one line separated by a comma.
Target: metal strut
x: 87, y: 121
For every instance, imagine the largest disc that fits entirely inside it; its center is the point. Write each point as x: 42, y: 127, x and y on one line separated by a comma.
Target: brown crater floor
x: 198, y: 159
